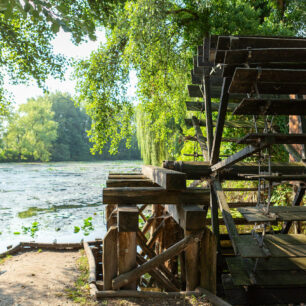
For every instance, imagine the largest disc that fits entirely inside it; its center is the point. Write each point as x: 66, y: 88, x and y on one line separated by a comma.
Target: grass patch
x: 4, y: 259
x: 80, y: 292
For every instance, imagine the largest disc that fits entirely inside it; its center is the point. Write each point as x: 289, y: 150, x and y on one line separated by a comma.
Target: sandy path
x: 38, y: 278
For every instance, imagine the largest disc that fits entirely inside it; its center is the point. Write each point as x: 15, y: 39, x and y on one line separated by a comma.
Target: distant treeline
x: 53, y: 128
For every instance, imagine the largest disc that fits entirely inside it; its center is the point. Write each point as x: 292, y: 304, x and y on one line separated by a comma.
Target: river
x: 61, y: 201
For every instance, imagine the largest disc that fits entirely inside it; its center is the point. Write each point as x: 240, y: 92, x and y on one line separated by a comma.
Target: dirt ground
x: 45, y: 278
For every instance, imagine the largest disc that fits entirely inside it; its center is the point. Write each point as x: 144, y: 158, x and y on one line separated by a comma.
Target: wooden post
x: 192, y: 264
x: 131, y: 276
x: 127, y: 255
x: 208, y: 261
x: 109, y: 257
x: 110, y: 215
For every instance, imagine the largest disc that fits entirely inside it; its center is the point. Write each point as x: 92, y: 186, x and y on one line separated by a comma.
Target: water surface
x: 58, y: 196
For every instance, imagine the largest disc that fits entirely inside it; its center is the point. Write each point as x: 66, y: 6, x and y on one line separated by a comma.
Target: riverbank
x: 59, y: 278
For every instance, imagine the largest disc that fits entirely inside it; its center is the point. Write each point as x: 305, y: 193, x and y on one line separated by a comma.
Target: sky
x: 62, y: 44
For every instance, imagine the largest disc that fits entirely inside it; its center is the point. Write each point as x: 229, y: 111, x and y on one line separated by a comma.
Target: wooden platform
x: 280, y: 213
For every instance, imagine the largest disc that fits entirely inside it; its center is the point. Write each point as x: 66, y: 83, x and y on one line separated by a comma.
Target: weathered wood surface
x: 296, y: 202
x: 200, y: 138
x: 280, y: 213
x: 253, y: 106
x: 109, y: 257
x: 189, y: 217
x: 126, y: 176
x: 146, y: 294
x: 142, y: 242
x: 200, y: 106
x: 272, y: 272
x: 254, y: 138
x: 220, y: 121
x: 198, y: 170
x: 226, y: 213
x: 126, y: 278
x: 168, y: 179
x: 154, y: 195
x: 127, y: 218
x: 110, y: 215
x: 215, y: 300
x: 130, y: 183
x: 192, y: 260
x: 208, y: 261
x: 234, y: 124
x: 280, y: 55
x: 244, y: 153
x: 273, y: 81
x: 159, y: 277
x: 91, y: 263
x: 127, y: 256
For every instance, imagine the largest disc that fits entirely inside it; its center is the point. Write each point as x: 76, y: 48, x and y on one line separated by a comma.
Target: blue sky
x: 62, y: 44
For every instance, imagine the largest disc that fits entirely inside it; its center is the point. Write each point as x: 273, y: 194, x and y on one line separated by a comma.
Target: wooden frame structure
x: 250, y: 76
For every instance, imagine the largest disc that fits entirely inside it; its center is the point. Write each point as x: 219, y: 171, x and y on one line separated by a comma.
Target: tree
x: 157, y: 39
x: 31, y: 132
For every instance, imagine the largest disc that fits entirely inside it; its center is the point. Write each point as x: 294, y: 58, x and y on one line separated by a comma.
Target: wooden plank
x: 229, y: 70
x: 126, y: 176
x: 226, y: 213
x: 253, y: 106
x: 220, y: 121
x: 200, y: 137
x: 174, y: 250
x: 234, y: 124
x: 192, y: 257
x: 296, y: 202
x: 130, y: 183
x: 268, y: 81
x: 109, y: 257
x: 126, y: 257
x: 286, y: 55
x: 292, y: 239
x: 189, y: 217
x: 241, y: 204
x: 168, y: 179
x: 127, y: 217
x: 244, y: 153
x: 248, y: 247
x: 197, y: 79
x: 253, y: 138
x: 154, y: 195
x: 286, y: 250
x: 110, y: 215
x: 197, y: 170
x: 200, y: 106
x: 208, y: 261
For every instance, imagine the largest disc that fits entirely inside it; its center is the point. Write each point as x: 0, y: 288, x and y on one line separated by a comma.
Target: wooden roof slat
x: 268, y: 81
x: 274, y: 138
x: 281, y: 55
x: 252, y: 106
x: 200, y: 106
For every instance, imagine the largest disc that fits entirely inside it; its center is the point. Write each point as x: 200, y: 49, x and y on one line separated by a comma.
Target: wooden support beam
x: 200, y: 170
x: 130, y: 183
x: 127, y: 257
x: 207, y: 96
x: 147, y: 225
x: 220, y: 121
x: 192, y: 258
x: 244, y: 153
x: 200, y: 137
x: 110, y: 216
x: 208, y: 261
x: 168, y: 179
x: 296, y: 202
x: 255, y: 138
x: 127, y: 217
x: 200, y: 106
x: 253, y: 106
x: 125, y: 176
x: 154, y: 195
x: 109, y: 257
x: 132, y: 275
x: 226, y: 213
x: 189, y: 217
x: 142, y: 242
x: 158, y: 276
